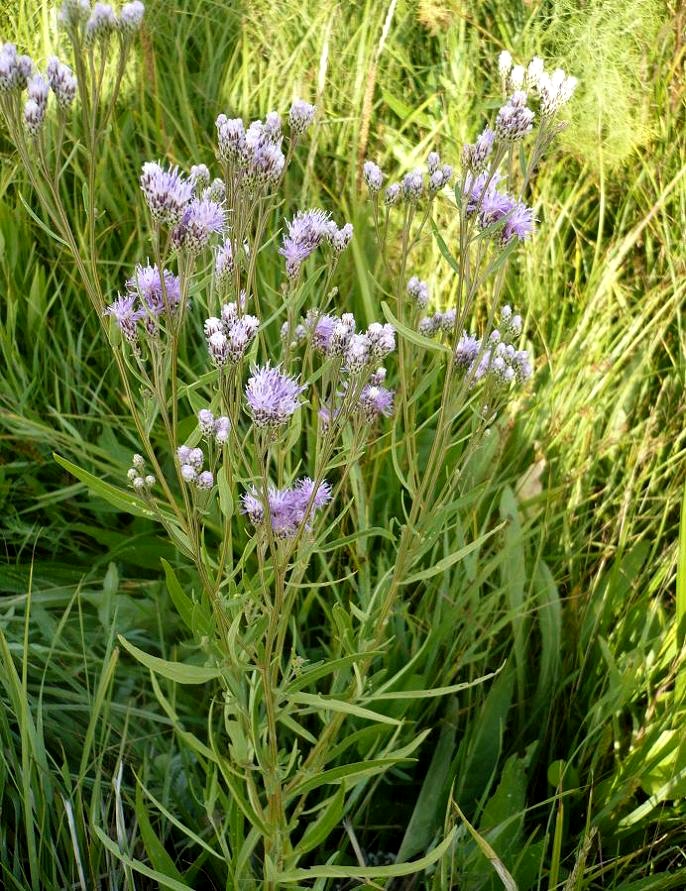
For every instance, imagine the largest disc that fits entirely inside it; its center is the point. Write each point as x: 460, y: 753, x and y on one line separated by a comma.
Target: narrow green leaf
x: 414, y: 336
x: 451, y: 559
x: 164, y: 881
x: 324, y: 703
x: 179, y: 672
x: 119, y: 498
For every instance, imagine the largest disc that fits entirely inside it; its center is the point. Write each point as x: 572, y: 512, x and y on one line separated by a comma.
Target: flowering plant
x: 278, y: 433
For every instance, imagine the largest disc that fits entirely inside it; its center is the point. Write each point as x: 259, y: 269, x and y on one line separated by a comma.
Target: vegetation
x: 567, y: 768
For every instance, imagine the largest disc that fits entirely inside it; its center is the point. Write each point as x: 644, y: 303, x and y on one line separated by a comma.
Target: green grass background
x: 589, y: 745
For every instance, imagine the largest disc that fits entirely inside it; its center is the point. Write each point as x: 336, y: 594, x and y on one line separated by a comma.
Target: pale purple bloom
x: 519, y: 223
x: 196, y: 458
x: 222, y: 428
x: 467, y: 350
x: 213, y: 325
x: 413, y: 185
x: 201, y: 219
x: 206, y: 422
x: 429, y: 325
x: 341, y: 238
x: 183, y: 454
x: 14, y: 70
x: 474, y: 156
x: 34, y: 115
x: 231, y: 137
x: 342, y: 333
x: 301, y: 116
x: 205, y: 480
x: 514, y: 120
x: 358, y: 353
x: 306, y: 493
x: 199, y: 175
x: 101, y: 24
x: 126, y: 315
x: 323, y: 329
x: 147, y: 283
x: 167, y: 193
x: 62, y: 82
x: 131, y: 16
x: 240, y: 335
x: 418, y: 291
x: 224, y: 264
x: 306, y: 231
x: 433, y: 162
x: 439, y: 178
x: 38, y: 89
x: 218, y: 347
x: 381, y: 340
x: 216, y: 191
x: 73, y: 12
x: 188, y: 472
x: 392, y: 194
x: 378, y: 377
x: 289, y: 509
x: 272, y: 396
x: 375, y: 401
x: 372, y: 175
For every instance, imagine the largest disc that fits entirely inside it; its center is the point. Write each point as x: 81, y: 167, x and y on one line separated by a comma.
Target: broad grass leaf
x: 327, y: 704
x: 179, y: 672
x: 503, y: 874
x: 320, y: 829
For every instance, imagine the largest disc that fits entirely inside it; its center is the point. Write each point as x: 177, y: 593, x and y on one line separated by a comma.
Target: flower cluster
x: 494, y: 208
x: 167, y: 193
x: 418, y: 291
x: 301, y: 117
x: 414, y: 185
x: 255, y: 154
x: 514, y: 119
x: 214, y: 429
x: 497, y: 360
x: 138, y: 479
x: 272, y: 397
x: 438, y: 323
x: 476, y: 154
x: 375, y: 400
x: 15, y: 70
x: 553, y: 90
x: 288, y: 509
x: 230, y: 336
x: 191, y: 463
x: 337, y: 338
x: 202, y: 218
x: 306, y: 232
x: 100, y: 22
x: 148, y: 295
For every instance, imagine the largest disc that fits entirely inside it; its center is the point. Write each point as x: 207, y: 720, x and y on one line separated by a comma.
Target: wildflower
x: 231, y: 137
x: 200, y: 176
x: 34, y: 115
x: 381, y: 340
x: 323, y: 330
x: 504, y: 64
x: 375, y: 401
x: 167, y: 193
x: 206, y: 422
x: 15, y: 70
x: 306, y: 231
x: 218, y: 347
x: 101, y: 24
x: 446, y: 321
x: 62, y: 82
x: 222, y: 428
x: 201, y: 219
x: 301, y: 116
x: 196, y: 458
x: 213, y: 325
x: 514, y: 120
x: 474, y: 156
x: 216, y: 191
x: 127, y: 317
x: 439, y: 178
x: 373, y: 176
x: 131, y: 16
x: 418, y: 291
x: 38, y: 89
x: 289, y: 509
x: 272, y: 396
x: 159, y: 293
x: 358, y: 353
x: 519, y: 223
x: 517, y: 75
x: 433, y: 162
x: 413, y: 185
x: 188, y: 472
x: 204, y: 480
x: 555, y: 91
x: 341, y: 238
x: 535, y: 71
x: 429, y: 325
x: 342, y: 333
x: 240, y: 335
x: 467, y: 350
x: 223, y: 264
x: 73, y: 12
x: 392, y: 194
x: 378, y: 377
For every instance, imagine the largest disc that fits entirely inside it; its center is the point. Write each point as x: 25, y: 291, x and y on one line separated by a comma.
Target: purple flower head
x: 301, y: 116
x: 205, y: 480
x: 514, y: 120
x: 126, y: 315
x: 418, y: 291
x: 392, y: 194
x: 199, y: 175
x: 433, y: 162
x: 34, y: 115
x: 272, y: 396
x: 222, y: 428
x: 252, y: 506
x: 439, y: 178
x: 494, y: 207
x: 131, y: 16
x: 201, y: 219
x: 308, y: 494
x: 147, y: 283
x: 323, y: 329
x: 373, y: 176
x: 62, y: 82
x: 213, y: 325
x: 358, y: 353
x: 476, y: 187
x: 378, y: 377
x: 101, y: 24
x: 218, y: 347
x: 38, y: 89
x: 413, y: 185
x: 231, y: 138
x: 381, y: 340
x: 376, y: 401
x: 73, y: 12
x: 306, y: 231
x: 216, y: 191
x: 8, y: 67
x: 467, y: 350
x: 240, y: 335
x: 167, y: 193
x: 430, y: 325
x: 289, y: 509
x: 206, y: 422
x: 267, y: 163
x: 518, y: 224
x: 474, y: 156
x: 224, y: 264
x: 341, y: 336
x: 341, y: 238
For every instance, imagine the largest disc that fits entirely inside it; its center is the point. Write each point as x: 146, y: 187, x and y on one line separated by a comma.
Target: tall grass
x: 571, y: 765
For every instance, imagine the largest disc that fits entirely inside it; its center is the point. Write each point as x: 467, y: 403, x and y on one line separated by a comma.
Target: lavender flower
x: 205, y: 480
x: 342, y: 333
x: 358, y: 353
x: 555, y: 91
x: 341, y: 238
x: 147, y: 283
x: 514, y: 120
x: 392, y: 194
x: 378, y: 377
x: 206, y: 422
x: 131, y: 16
x: 375, y: 401
x: 34, y: 115
x: 38, y: 89
x: 433, y: 162
x: 15, y: 70
x: 301, y: 116
x: 429, y: 325
x: 413, y: 185
x: 323, y: 330
x: 62, y: 82
x: 231, y: 137
x: 381, y: 340
x: 224, y: 264
x: 519, y: 223
x: 474, y: 156
x: 418, y: 291
x: 306, y: 231
x: 201, y: 219
x: 216, y: 191
x: 167, y: 193
x: 240, y: 335
x: 373, y: 176
x: 126, y: 315
x: 101, y: 24
x: 222, y: 428
x: 218, y: 347
x: 289, y: 509
x: 73, y: 12
x: 272, y: 396
x: 467, y: 350
x: 199, y: 175
x: 439, y: 178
